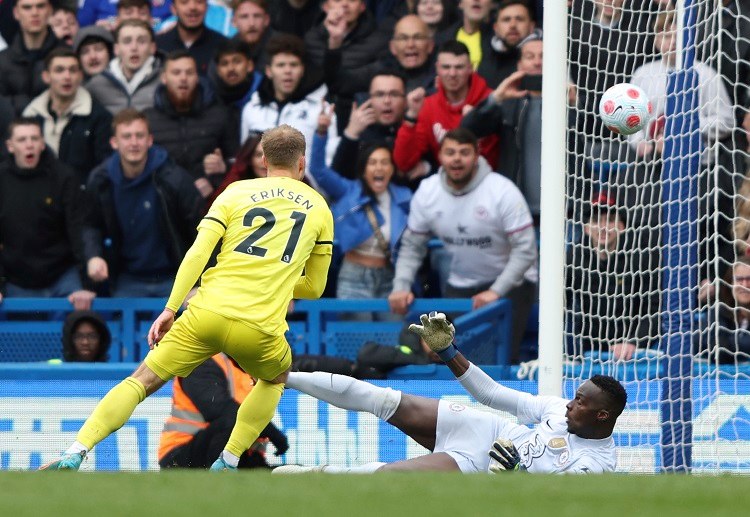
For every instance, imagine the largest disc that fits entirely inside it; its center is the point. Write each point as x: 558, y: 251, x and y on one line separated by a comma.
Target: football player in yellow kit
x: 277, y: 239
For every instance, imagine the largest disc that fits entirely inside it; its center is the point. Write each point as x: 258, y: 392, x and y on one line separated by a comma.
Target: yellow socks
x: 112, y: 412
x: 255, y: 412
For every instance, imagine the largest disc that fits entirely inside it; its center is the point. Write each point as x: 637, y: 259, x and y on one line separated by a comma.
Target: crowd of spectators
x: 123, y: 121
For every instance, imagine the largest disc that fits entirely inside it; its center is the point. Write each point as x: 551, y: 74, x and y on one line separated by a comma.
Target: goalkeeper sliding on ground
x: 570, y: 436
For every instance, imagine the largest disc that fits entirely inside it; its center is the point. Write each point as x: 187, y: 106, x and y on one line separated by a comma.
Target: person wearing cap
x: 22, y: 62
x: 612, y: 291
x: 93, y: 45
x: 132, y: 77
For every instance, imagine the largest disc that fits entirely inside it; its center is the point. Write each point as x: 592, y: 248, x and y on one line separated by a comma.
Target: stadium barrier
x: 31, y: 328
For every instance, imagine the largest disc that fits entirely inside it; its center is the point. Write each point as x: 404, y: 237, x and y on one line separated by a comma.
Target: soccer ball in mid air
x: 625, y: 108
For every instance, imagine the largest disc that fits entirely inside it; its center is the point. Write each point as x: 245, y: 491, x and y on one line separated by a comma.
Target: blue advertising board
x: 39, y: 419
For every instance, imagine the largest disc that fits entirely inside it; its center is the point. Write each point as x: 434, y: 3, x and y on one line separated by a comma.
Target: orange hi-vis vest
x: 186, y: 421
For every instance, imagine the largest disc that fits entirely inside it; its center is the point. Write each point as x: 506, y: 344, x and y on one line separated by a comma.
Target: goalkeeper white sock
x: 367, y: 468
x: 77, y: 448
x: 347, y: 393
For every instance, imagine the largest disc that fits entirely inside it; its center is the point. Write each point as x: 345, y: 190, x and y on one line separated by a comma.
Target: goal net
x: 657, y: 262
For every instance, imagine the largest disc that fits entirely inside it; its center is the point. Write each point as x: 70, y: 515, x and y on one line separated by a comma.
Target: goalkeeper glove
x: 505, y: 456
x: 438, y: 333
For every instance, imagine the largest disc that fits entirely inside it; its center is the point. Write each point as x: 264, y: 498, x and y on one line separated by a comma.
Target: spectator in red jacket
x: 427, y: 119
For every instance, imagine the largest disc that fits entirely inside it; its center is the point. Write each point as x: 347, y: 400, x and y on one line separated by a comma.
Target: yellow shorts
x: 199, y: 334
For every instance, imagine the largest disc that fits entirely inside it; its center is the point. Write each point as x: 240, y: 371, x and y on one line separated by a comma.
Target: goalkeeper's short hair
x: 614, y: 391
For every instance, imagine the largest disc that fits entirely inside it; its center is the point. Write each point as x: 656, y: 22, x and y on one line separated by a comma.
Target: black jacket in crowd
x: 190, y: 136
x: 42, y: 213
x: 361, y: 47
x: 84, y: 142
x: 346, y: 83
x: 612, y: 52
x: 614, y: 299
x: 496, y: 66
x: 202, y: 49
x: 21, y: 70
x: 347, y: 153
x: 180, y: 212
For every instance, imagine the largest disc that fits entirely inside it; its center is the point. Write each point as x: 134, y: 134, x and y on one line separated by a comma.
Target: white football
x: 625, y: 108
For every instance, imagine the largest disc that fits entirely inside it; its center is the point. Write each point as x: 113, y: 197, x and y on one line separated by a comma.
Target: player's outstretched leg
x: 109, y: 415
x: 347, y: 392
x: 254, y: 414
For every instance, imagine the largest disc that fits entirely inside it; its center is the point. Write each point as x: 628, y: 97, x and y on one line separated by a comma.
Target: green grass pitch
x: 256, y: 494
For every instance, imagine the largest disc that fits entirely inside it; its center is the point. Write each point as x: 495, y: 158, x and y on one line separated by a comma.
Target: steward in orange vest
x: 204, y: 409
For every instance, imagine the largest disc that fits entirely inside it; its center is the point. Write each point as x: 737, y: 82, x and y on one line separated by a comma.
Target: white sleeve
x: 333, y: 141
x: 514, y: 210
x: 535, y: 409
x: 639, y: 136
x: 245, y: 123
x: 716, y: 115
x: 419, y: 219
x: 490, y: 393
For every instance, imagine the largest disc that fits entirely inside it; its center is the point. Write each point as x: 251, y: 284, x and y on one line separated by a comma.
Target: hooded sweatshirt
x: 138, y: 210
x: 72, y: 321
x: 436, y: 118
x: 485, y: 226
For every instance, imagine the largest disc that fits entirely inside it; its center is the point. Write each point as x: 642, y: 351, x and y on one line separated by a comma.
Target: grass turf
x: 414, y: 494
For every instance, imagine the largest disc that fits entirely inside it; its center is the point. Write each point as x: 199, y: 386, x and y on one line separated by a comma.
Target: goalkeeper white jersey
x: 550, y: 448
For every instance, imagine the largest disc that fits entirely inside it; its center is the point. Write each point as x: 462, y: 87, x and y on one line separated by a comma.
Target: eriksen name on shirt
x: 282, y: 193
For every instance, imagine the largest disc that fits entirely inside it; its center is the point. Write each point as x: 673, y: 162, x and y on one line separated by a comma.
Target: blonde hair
x: 283, y: 146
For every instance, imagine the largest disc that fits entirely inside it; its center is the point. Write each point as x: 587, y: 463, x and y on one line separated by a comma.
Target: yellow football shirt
x: 270, y: 227
x: 474, y: 43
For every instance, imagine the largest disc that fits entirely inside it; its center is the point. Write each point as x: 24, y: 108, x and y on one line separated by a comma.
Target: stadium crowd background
x: 390, y: 78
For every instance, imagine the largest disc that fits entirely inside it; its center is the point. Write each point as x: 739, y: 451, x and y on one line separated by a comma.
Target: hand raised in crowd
x: 483, y: 298
x: 325, y: 118
x: 510, y: 87
x: 420, y: 170
x: 214, y: 163
x: 400, y: 301
x: 204, y: 187
x: 335, y: 24
x: 81, y: 300
x: 706, y: 291
x: 414, y: 102
x: 106, y: 23
x: 623, y: 351
x: 160, y: 327
x: 97, y: 269
x: 362, y: 116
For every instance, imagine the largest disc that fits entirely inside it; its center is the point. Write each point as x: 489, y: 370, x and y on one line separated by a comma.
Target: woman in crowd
x: 370, y: 214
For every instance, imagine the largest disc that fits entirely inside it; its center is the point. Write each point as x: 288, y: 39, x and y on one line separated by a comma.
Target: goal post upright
x: 682, y: 151
x: 552, y: 226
